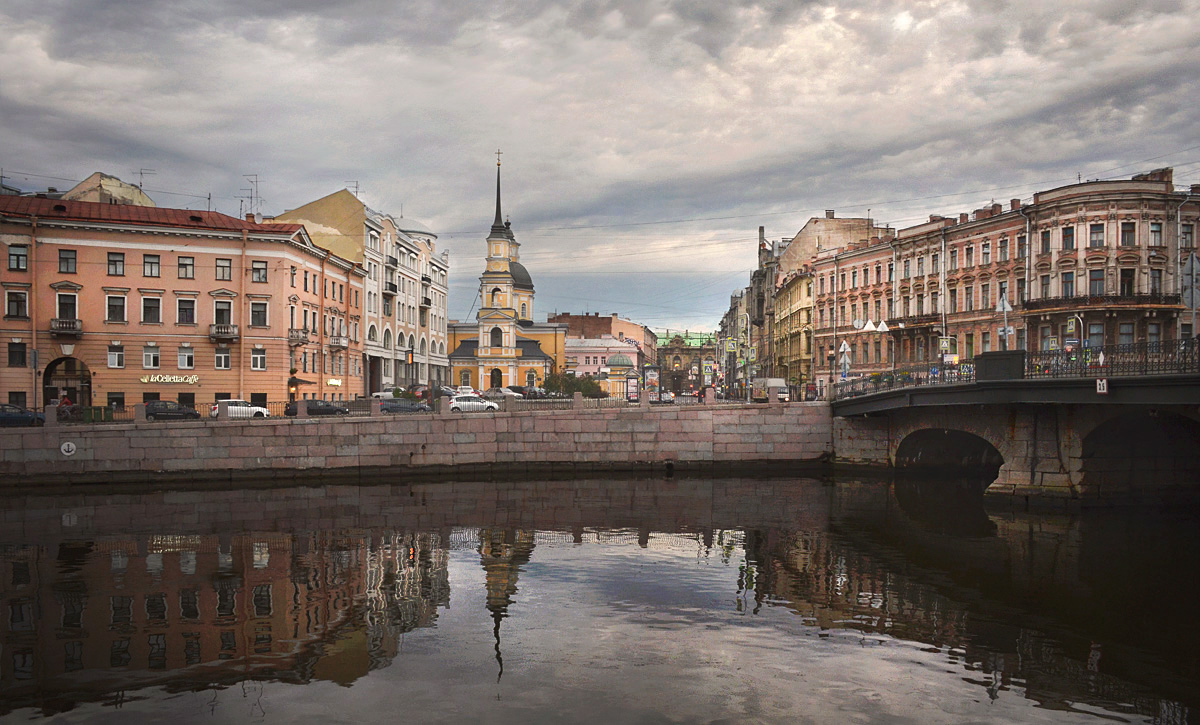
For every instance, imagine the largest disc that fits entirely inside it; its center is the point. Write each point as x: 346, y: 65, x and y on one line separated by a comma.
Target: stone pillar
x: 773, y: 396
x: 440, y: 405
x: 139, y: 413
x: 376, y: 410
x: 577, y: 400
x: 504, y: 403
x: 710, y: 396
x: 222, y: 410
x: 51, y: 416
x: 302, y: 408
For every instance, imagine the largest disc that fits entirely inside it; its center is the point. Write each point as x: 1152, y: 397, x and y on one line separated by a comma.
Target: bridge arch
x: 943, y: 450
x: 1147, y: 451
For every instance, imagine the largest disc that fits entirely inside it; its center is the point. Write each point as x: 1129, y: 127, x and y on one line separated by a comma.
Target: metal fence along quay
x: 1176, y: 357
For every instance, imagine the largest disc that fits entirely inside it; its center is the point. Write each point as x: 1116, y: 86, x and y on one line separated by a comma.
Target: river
x: 643, y: 600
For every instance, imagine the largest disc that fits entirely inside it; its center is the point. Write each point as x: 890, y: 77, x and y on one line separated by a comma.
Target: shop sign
x: 185, y: 379
x: 336, y: 382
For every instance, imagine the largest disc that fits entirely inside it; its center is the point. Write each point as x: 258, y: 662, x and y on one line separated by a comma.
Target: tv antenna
x: 142, y: 174
x: 255, y: 201
x: 355, y: 182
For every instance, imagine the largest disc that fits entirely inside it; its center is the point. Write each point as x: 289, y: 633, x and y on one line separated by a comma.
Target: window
x: 1045, y: 291
x: 258, y: 314
x: 933, y: 264
x: 1125, y: 333
x: 1068, y: 239
x: 1004, y: 250
x: 150, y: 265
x: 1128, y: 234
x: 67, y: 306
x: 1046, y: 242
x: 1096, y: 235
x: 1187, y: 238
x: 1153, y: 334
x: 1096, y: 282
x: 985, y: 342
x: 16, y: 304
x: 985, y: 296
x: 18, y: 257
x: 152, y: 310
x: 221, y: 359
x: 293, y: 276
x: 187, y: 358
x: 970, y: 259
x: 1021, y: 290
x: 116, y: 264
x: 1002, y: 291
x: 920, y: 266
x: 953, y: 301
x: 225, y: 269
x: 306, y: 281
x: 258, y: 359
x: 1156, y: 234
x: 1125, y: 282
x: 187, y: 268
x: 223, y: 312
x: 1156, y: 277
x: 853, y: 278
x: 1068, y: 284
x: 116, y: 356
x: 986, y: 255
x: 66, y: 261
x: 954, y: 259
x: 150, y: 357
x: 16, y: 354
x: 258, y: 271
x: 907, y: 268
x: 821, y: 285
x: 1095, y: 334
x: 969, y: 298
x: 185, y: 311
x: 116, y: 308
x: 891, y: 271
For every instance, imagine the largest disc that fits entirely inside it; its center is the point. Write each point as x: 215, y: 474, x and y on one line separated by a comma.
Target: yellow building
x: 504, y: 346
x: 794, y: 330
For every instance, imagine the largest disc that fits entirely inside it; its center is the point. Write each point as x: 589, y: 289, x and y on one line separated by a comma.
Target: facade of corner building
x: 504, y: 346
x: 406, y: 290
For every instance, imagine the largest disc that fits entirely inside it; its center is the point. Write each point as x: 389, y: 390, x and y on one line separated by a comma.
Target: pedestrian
x: 65, y: 401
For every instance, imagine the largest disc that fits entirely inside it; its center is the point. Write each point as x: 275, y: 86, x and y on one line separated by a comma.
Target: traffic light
x: 408, y: 357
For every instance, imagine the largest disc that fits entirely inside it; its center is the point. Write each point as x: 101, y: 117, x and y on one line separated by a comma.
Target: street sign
x: 844, y: 361
x: 752, y: 354
x: 1053, y: 343
x: 1002, y: 305
x: 1102, y: 386
x: 845, y: 347
x: 731, y: 346
x: 869, y: 327
x: 944, y: 344
x: 1010, y: 331
x: 1071, y: 326
x: 881, y: 327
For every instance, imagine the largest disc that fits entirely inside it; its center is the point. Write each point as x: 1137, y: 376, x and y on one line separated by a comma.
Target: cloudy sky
x: 645, y: 141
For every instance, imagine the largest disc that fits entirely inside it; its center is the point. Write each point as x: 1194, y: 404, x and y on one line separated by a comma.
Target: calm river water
x: 608, y: 601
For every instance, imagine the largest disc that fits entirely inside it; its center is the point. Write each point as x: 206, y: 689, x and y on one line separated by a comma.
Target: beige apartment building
x: 109, y: 304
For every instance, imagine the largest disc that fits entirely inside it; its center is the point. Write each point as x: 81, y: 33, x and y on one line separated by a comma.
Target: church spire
x: 498, y: 225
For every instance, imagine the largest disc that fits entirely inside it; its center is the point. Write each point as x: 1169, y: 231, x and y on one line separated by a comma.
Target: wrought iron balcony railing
x: 1075, y: 301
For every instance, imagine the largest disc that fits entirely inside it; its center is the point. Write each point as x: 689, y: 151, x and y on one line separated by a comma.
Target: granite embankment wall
x: 480, y: 443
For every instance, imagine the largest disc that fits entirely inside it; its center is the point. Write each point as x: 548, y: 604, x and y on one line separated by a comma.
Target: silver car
x: 471, y: 403
x: 242, y: 409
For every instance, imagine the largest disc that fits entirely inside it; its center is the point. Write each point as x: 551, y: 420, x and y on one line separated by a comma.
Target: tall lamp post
x: 832, y: 359
x: 746, y: 349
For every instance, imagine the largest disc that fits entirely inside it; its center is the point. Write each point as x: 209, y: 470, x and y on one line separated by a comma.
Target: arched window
x: 423, y: 347
x: 677, y: 361
x: 496, y: 293
x: 464, y: 378
x: 441, y: 348
x: 497, y: 378
x: 531, y: 378
x: 497, y: 337
x: 372, y: 334
x: 524, y: 312
x: 387, y: 339
x: 412, y: 343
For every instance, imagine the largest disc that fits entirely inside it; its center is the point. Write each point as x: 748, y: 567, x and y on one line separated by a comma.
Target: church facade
x: 504, y: 346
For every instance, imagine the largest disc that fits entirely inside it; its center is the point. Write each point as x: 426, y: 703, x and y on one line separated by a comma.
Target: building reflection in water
x: 1010, y: 601
x: 197, y: 612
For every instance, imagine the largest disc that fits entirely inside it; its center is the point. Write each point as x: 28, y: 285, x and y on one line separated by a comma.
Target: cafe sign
x: 185, y: 379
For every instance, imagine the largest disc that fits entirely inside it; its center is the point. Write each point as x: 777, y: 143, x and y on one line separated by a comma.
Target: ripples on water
x: 594, y: 601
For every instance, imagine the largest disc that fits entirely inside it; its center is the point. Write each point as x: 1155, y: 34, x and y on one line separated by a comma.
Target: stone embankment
x: 504, y: 444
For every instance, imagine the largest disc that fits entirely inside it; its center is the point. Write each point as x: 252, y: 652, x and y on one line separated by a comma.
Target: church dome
x: 413, y: 226
x: 620, y: 360
x: 520, y: 275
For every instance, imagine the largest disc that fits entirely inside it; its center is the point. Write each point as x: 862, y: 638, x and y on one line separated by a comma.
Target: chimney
x: 1014, y: 204
x: 1195, y: 189
x: 829, y: 213
x: 249, y: 216
x: 963, y: 218
x: 997, y: 208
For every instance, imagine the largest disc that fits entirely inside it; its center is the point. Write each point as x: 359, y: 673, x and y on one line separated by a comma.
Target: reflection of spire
x: 502, y: 554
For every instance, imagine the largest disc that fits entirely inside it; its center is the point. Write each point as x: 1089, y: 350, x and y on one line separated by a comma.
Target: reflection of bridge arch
x: 949, y: 451
x: 1141, y: 450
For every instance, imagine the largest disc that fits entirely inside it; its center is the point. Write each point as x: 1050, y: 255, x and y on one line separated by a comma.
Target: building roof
x: 619, y: 361
x: 520, y: 275
x: 33, y: 206
x: 529, y: 349
x: 405, y: 224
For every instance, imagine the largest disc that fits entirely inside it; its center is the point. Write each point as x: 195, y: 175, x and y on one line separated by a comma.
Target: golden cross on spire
x: 498, y: 152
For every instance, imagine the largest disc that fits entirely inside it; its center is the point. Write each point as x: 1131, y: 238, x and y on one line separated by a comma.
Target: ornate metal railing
x: 1135, y: 359
x: 1101, y: 301
x: 1142, y: 358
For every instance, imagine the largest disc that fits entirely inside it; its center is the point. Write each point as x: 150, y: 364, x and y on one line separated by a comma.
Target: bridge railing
x: 1140, y: 358
x: 907, y: 376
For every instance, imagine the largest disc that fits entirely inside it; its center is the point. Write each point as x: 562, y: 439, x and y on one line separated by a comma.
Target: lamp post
x: 832, y: 359
x: 746, y: 379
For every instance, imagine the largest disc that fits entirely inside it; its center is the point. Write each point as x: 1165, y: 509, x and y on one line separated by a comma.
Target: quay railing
x: 907, y: 376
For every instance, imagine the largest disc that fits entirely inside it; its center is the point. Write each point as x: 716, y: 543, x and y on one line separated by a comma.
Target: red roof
x: 33, y: 206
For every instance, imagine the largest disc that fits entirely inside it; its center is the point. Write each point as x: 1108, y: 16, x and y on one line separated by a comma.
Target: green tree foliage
x: 570, y: 384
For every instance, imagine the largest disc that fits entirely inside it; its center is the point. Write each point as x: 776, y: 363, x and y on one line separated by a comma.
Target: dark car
x: 13, y: 415
x: 402, y: 405
x: 169, y: 410
x: 318, y: 407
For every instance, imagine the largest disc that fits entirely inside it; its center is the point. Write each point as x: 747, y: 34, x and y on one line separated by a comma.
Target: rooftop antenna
x: 355, y: 188
x: 1078, y: 178
x: 255, y: 200
x: 142, y: 174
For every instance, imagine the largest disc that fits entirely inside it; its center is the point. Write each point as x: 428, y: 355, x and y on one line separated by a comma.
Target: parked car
x: 321, y: 407
x: 14, y: 415
x: 242, y: 409
x: 501, y: 393
x: 666, y: 396
x: 403, y: 405
x: 170, y: 410
x: 466, y: 390
x: 471, y: 403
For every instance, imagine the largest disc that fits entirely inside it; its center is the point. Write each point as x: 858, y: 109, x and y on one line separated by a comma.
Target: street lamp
x: 746, y: 380
x: 832, y: 359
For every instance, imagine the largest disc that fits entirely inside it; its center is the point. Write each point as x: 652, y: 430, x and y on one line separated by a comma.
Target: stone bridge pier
x: 1083, y: 452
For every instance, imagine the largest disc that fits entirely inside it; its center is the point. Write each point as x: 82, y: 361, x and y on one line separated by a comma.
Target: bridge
x: 1120, y: 421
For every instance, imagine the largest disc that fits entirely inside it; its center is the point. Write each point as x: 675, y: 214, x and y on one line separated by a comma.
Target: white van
x: 383, y: 395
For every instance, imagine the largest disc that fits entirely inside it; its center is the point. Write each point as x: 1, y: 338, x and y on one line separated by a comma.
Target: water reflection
x: 111, y: 598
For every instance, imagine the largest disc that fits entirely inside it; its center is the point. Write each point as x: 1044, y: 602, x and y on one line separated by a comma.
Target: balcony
x: 223, y: 333
x: 426, y: 279
x: 298, y: 336
x: 66, y: 327
x: 426, y: 302
x: 338, y: 342
x: 392, y: 262
x: 389, y: 288
x: 1092, y: 301
x: 914, y: 322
